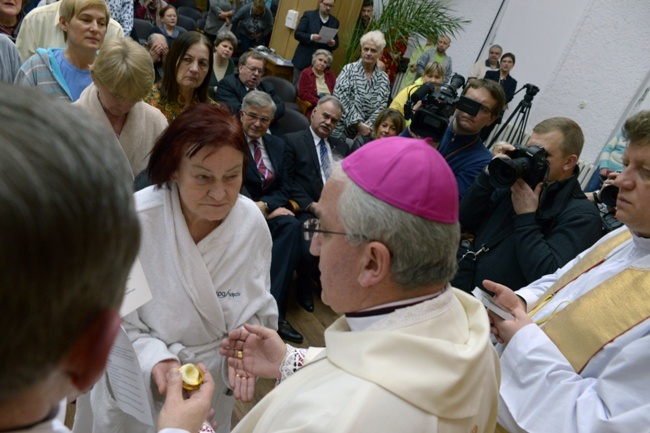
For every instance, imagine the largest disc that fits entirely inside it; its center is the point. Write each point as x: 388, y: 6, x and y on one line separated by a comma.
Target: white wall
x: 590, y: 58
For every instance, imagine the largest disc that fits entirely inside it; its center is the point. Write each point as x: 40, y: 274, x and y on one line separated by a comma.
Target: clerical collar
x: 361, y: 320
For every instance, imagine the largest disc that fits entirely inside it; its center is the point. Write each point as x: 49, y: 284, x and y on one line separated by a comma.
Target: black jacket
x: 231, y: 91
x: 535, y: 244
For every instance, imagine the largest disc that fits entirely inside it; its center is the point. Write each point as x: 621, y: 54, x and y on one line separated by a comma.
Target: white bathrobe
x: 143, y: 125
x: 200, y: 293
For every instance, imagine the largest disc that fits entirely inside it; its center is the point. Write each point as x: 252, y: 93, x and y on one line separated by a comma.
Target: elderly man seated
x: 411, y: 354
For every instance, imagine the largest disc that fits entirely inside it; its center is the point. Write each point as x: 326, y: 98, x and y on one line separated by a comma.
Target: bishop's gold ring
x: 240, y: 354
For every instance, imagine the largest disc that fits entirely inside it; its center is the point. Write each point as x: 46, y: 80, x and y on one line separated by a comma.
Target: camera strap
x: 488, y: 245
x: 452, y: 153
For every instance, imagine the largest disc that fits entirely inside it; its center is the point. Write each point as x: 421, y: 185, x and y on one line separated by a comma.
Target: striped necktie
x: 266, y: 174
x: 324, y: 158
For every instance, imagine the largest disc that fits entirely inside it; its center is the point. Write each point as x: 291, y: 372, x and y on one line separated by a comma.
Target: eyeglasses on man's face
x: 312, y: 226
x: 253, y: 69
x: 254, y: 117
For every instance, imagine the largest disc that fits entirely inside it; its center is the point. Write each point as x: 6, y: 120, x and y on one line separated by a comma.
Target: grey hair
x: 226, y: 35
x: 153, y: 36
x: 423, y: 251
x: 497, y: 46
x: 322, y: 52
x: 375, y: 36
x: 333, y: 99
x: 258, y: 99
x: 68, y: 231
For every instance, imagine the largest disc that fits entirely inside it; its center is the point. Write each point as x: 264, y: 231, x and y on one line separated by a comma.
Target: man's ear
x: 570, y: 162
x: 376, y: 264
x: 86, y: 360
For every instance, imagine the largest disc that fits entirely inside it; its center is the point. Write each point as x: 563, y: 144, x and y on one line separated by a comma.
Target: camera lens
x: 608, y: 195
x: 505, y: 171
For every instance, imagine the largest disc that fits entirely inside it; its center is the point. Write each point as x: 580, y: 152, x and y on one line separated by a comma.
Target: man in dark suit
x: 233, y: 88
x: 308, y: 158
x: 309, y: 40
x: 266, y: 183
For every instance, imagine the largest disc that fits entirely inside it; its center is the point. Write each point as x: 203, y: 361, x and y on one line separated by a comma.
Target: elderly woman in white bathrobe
x: 122, y: 76
x: 206, y: 253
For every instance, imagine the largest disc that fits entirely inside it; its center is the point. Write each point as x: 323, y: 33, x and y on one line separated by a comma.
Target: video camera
x: 527, y: 163
x: 439, y: 101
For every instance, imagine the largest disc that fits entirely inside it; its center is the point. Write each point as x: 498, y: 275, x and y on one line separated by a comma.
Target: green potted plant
x: 403, y: 19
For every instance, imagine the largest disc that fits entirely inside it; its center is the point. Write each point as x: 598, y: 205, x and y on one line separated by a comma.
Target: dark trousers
x: 285, y: 255
x: 307, y: 270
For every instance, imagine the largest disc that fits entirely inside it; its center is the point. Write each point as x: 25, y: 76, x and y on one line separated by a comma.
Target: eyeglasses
x: 252, y: 69
x: 485, y: 110
x: 312, y: 226
x: 255, y: 117
x: 328, y: 5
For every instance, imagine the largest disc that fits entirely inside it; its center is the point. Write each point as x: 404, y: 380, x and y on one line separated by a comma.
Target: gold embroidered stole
x: 610, y: 309
x: 582, y: 328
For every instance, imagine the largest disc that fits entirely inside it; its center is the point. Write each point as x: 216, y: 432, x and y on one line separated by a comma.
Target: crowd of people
x: 392, y: 226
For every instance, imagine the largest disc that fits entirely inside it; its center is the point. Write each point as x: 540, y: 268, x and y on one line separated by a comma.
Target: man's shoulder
x: 311, y: 14
x: 230, y: 84
x: 42, y: 12
x: 274, y: 142
x: 230, y: 80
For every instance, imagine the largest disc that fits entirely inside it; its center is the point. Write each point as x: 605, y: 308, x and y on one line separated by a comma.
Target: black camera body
x: 607, y: 195
x: 527, y: 163
x: 439, y: 102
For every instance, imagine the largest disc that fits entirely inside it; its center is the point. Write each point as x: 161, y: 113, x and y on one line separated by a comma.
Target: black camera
x: 527, y: 163
x: 439, y: 102
x: 607, y: 195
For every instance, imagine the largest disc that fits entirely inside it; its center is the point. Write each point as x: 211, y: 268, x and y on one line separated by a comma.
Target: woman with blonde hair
x: 122, y: 77
x: 434, y: 72
x: 65, y: 72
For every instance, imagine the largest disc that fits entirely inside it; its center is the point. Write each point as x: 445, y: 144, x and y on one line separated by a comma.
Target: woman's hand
x: 160, y: 372
x: 364, y: 129
x: 255, y: 351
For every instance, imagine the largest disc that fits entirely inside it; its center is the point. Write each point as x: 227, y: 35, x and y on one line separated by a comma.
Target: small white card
x: 137, y: 292
x: 125, y: 377
x: 488, y: 302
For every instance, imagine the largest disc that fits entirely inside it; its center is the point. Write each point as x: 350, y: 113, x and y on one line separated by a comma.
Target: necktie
x: 266, y: 174
x: 324, y: 158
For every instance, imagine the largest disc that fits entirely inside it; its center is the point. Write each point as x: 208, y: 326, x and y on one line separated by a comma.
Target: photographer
x: 523, y: 232
x: 460, y: 144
